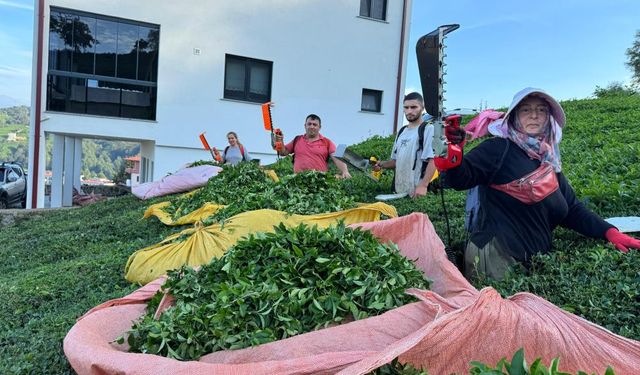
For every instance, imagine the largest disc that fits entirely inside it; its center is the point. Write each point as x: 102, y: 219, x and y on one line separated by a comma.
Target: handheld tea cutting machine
x: 268, y: 125
x: 363, y: 164
x: 214, y: 151
x: 430, y: 52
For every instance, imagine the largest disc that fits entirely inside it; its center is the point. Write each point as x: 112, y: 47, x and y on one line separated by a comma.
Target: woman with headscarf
x: 522, y: 191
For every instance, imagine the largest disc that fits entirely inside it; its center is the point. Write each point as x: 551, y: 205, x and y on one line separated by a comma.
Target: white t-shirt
x: 405, y: 153
x: 233, y: 155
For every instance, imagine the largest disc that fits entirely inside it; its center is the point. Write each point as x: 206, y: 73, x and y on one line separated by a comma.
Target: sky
x: 566, y: 47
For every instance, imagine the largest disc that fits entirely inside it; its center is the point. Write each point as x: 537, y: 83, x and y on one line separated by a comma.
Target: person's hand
x: 420, y: 191
x: 457, y: 136
x: 278, y: 144
x: 345, y: 175
x: 621, y: 241
x: 377, y: 166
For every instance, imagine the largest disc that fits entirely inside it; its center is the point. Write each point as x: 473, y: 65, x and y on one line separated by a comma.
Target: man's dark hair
x: 414, y: 96
x: 313, y: 117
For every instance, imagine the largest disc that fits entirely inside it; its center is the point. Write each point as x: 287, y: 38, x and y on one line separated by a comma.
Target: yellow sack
x: 198, y: 245
x: 201, y: 213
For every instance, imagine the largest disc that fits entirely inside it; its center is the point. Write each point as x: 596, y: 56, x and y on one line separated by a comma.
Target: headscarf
x: 543, y: 147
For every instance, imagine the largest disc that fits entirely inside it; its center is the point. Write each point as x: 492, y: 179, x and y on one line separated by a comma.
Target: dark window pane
x: 234, y: 83
x: 77, y: 95
x: 247, y: 79
x: 364, y: 8
x: 259, y: 79
x: 60, y: 41
x: 378, y: 9
x: 371, y: 100
x: 148, y: 54
x: 103, y: 98
x: 57, y: 88
x: 84, y: 44
x: 138, y: 102
x: 66, y: 94
x: 106, y: 48
x: 374, y: 9
x: 127, y: 59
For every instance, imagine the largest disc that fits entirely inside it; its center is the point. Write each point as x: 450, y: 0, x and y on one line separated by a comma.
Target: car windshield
x: 1, y: 174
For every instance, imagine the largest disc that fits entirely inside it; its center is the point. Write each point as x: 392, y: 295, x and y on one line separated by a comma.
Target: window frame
x: 247, y: 63
x: 369, y: 14
x: 144, y: 86
x: 377, y: 95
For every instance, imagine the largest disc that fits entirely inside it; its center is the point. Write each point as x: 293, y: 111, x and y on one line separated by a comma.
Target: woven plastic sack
x: 184, y: 179
x: 200, y: 214
x: 450, y: 326
x: 198, y: 245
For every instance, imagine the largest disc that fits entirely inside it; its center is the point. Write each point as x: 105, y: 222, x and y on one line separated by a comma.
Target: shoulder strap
x: 224, y: 157
x: 295, y: 140
x: 242, y: 152
x: 421, y: 135
x: 420, y: 147
x: 400, y: 131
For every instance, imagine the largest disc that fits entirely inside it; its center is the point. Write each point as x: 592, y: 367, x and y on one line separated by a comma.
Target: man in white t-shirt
x: 408, y: 156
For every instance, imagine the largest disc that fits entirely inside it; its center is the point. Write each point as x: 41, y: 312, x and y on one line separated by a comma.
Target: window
x: 371, y: 100
x: 374, y: 9
x: 102, y: 65
x: 247, y: 79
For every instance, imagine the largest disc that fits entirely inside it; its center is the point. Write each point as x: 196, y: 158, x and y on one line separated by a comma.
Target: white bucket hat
x: 556, y: 110
x: 499, y: 127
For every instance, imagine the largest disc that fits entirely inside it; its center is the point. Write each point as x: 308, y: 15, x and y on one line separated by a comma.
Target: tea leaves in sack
x: 276, y: 285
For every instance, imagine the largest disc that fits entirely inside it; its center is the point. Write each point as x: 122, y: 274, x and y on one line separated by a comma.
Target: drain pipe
x: 36, y: 108
x: 400, y: 65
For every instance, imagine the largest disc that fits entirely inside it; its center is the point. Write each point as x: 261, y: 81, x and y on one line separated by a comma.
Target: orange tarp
x: 450, y: 326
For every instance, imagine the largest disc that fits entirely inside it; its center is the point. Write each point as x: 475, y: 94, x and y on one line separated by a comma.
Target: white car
x: 13, y: 185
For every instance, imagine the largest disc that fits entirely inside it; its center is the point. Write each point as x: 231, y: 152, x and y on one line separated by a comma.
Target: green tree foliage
x: 633, y: 53
x: 14, y: 116
x: 614, y: 89
x: 99, y: 158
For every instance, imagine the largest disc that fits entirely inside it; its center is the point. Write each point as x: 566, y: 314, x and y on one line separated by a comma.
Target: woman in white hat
x: 522, y: 193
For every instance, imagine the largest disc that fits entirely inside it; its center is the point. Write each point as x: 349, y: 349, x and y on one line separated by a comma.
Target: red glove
x: 456, y: 135
x: 621, y: 241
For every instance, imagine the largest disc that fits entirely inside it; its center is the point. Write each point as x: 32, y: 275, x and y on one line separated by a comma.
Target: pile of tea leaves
x: 246, y: 187
x: 304, y: 193
x: 231, y: 184
x: 271, y: 286
x: 198, y: 163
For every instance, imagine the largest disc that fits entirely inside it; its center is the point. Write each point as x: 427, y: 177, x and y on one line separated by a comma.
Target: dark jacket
x: 522, y: 229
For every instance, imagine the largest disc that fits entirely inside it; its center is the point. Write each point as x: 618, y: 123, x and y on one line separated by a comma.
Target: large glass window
x: 102, y: 65
x: 247, y: 79
x: 374, y: 9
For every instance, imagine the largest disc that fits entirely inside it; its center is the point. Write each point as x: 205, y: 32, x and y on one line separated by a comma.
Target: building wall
x: 323, y: 55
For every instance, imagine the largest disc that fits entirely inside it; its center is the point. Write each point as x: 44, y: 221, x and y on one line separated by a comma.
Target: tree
x: 614, y: 88
x: 633, y: 53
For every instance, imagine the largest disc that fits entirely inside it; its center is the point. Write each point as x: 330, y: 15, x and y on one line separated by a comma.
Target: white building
x: 161, y: 72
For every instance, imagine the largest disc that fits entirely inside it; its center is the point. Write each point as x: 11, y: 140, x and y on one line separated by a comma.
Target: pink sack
x: 450, y: 326
x: 478, y: 126
x: 185, y: 179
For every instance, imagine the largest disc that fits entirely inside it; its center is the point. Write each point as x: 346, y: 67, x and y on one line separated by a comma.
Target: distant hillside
x: 100, y: 158
x: 7, y: 101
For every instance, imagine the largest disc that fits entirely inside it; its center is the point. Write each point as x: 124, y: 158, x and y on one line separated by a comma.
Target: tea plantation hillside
x: 58, y: 264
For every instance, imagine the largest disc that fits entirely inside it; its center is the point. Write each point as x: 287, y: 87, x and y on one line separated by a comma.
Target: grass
x: 60, y: 263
